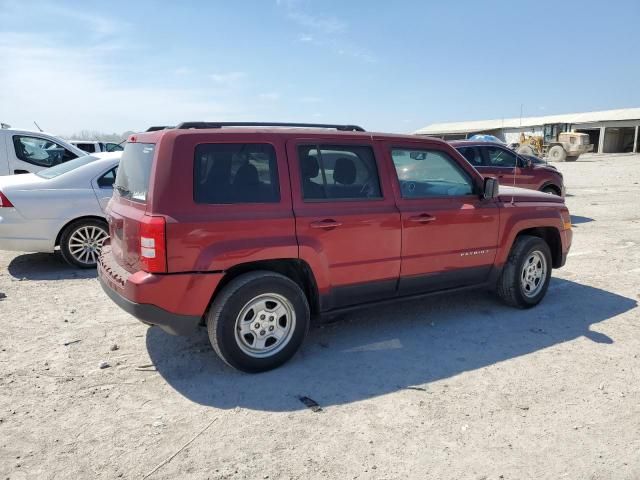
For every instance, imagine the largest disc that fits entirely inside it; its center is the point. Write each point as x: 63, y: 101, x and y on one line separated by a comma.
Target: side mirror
x: 491, y: 188
x: 526, y: 162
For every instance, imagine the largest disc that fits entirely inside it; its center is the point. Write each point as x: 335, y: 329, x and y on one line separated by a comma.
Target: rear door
x: 347, y: 224
x: 103, y: 187
x: 449, y: 234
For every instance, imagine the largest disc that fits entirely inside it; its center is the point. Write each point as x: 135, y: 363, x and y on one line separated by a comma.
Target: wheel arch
x: 295, y: 269
x: 552, y: 185
x: 84, y: 217
x: 551, y: 236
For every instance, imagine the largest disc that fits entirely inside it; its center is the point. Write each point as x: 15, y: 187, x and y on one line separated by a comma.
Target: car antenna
x: 36, y: 124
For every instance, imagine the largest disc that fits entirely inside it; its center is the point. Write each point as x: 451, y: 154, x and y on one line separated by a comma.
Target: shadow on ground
x: 382, y: 350
x: 577, y: 219
x: 46, y: 266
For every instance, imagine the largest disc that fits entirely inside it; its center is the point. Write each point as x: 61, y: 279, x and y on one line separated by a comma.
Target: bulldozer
x: 555, y: 146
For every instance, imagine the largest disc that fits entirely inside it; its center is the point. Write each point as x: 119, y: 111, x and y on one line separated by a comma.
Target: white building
x: 610, y: 131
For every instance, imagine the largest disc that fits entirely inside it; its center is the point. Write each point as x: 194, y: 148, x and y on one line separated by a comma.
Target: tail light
x: 4, y: 201
x: 153, y: 244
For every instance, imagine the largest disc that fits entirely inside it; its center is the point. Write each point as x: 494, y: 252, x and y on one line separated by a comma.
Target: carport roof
x: 485, y: 125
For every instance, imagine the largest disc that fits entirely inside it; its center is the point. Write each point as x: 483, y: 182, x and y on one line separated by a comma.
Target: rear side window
x: 235, y: 173
x: 132, y: 179
x: 87, y: 147
x: 472, y: 154
x: 334, y: 172
x: 40, y: 151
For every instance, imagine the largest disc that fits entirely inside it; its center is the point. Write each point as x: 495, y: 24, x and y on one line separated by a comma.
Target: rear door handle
x: 422, y: 218
x: 328, y: 223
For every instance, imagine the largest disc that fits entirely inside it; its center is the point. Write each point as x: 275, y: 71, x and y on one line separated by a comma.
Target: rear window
x: 65, y: 167
x: 235, y: 173
x: 132, y: 180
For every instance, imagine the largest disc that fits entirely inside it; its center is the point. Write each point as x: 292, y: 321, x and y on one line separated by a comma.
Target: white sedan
x: 60, y: 206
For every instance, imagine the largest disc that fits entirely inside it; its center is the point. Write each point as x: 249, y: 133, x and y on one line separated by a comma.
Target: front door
x: 347, y: 223
x: 504, y: 164
x: 30, y: 154
x: 449, y: 233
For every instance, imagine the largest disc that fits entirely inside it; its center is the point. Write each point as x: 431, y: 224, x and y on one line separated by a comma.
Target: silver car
x: 62, y: 206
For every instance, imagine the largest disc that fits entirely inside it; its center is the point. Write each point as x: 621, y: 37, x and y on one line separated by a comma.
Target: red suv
x: 496, y: 160
x: 252, y: 231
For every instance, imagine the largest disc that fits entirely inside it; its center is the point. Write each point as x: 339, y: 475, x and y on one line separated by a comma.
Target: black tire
x: 510, y: 288
x: 67, y: 236
x: 557, y: 154
x: 552, y: 190
x: 230, y: 303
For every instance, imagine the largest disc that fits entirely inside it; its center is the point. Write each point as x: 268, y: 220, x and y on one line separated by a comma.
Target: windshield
x: 65, y: 167
x: 132, y: 180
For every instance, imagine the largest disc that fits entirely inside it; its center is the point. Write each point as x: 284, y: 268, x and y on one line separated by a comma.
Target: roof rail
x: 158, y: 127
x: 198, y: 125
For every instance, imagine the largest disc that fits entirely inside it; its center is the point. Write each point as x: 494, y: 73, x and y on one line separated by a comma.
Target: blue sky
x: 389, y: 66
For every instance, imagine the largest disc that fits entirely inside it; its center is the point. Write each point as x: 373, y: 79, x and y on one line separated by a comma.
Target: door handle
x: 422, y: 218
x: 20, y: 172
x: 328, y: 223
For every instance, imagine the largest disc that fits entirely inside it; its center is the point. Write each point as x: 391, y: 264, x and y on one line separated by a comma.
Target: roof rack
x: 198, y: 125
x: 158, y: 127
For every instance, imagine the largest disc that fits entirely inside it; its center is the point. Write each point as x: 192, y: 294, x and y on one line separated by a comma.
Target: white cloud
x: 272, y: 96
x: 305, y: 37
x: 228, y: 78
x: 326, y: 25
x: 70, y: 89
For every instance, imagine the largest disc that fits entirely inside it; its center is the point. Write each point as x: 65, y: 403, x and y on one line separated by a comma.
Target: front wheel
x: 525, y: 277
x: 557, y: 154
x: 81, y: 242
x: 258, y: 321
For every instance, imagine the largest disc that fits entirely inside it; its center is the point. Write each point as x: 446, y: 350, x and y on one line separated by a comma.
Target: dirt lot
x: 454, y: 387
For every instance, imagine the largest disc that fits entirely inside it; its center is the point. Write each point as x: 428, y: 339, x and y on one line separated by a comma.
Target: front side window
x: 236, y: 173
x: 429, y: 173
x: 40, y: 151
x: 333, y: 172
x: 499, y: 157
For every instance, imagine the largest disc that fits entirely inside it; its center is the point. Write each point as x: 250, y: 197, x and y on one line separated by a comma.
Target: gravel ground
x: 453, y: 387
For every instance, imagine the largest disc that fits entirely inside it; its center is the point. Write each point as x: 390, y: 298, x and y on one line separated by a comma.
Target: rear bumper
x: 151, y: 315
x: 175, y: 302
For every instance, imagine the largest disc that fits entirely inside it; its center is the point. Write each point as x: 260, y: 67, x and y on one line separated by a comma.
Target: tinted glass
x: 338, y: 172
x: 87, y: 147
x: 235, y: 173
x: 429, y: 173
x: 65, y: 167
x: 108, y: 179
x: 40, y: 151
x: 499, y: 157
x: 472, y: 154
x: 132, y: 179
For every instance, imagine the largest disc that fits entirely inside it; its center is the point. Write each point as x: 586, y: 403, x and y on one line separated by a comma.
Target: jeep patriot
x: 254, y: 229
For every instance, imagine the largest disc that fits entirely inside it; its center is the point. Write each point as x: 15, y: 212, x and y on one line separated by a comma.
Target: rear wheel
x: 81, y: 242
x: 525, y: 276
x: 557, y: 154
x: 258, y: 321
